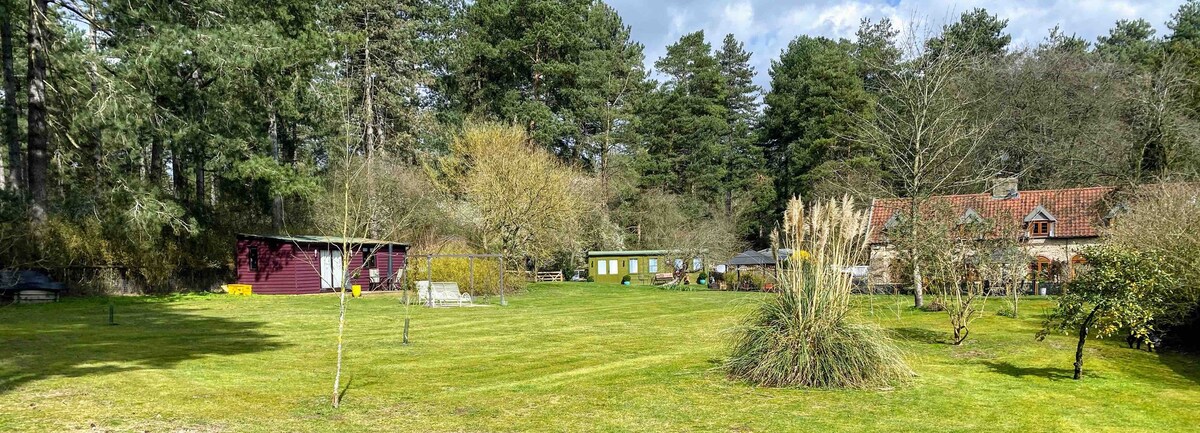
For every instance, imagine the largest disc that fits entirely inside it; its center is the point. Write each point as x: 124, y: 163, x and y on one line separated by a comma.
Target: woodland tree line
x: 141, y: 136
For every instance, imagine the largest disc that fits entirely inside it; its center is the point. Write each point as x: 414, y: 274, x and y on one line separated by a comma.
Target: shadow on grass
x: 919, y: 335
x: 1053, y: 373
x: 1183, y: 364
x: 74, y: 339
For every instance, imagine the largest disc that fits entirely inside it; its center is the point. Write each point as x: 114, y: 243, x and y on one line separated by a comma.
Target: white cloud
x: 767, y: 26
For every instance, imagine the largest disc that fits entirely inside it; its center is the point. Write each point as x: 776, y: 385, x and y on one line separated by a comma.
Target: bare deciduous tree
x: 926, y: 137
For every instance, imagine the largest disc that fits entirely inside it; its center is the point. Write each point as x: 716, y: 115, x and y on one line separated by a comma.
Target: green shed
x: 640, y: 265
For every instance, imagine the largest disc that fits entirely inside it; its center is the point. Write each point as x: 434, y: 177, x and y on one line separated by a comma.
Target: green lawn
x: 562, y: 357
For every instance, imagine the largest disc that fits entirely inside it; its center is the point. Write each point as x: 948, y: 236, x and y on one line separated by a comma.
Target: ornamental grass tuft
x: 803, y: 336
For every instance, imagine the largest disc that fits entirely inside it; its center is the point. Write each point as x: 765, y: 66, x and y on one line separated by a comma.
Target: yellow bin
x: 238, y: 289
x: 356, y: 290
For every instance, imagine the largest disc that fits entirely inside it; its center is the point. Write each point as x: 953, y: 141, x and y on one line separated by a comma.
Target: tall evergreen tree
x: 685, y: 121
x: 816, y: 92
x: 521, y: 60
x: 1130, y: 42
x: 746, y: 183
x: 976, y: 33
x: 13, y: 168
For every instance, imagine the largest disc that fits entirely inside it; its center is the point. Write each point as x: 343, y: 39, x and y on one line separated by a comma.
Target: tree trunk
x: 201, y: 188
x: 915, y: 254
x: 178, y: 177
x: 276, y: 153
x: 39, y: 140
x: 918, y: 285
x: 94, y: 142
x: 1083, y: 332
x: 12, y: 139
x: 156, y: 158
x: 337, y: 374
x: 369, y: 102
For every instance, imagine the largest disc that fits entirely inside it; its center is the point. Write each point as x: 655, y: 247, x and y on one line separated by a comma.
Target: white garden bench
x: 442, y: 293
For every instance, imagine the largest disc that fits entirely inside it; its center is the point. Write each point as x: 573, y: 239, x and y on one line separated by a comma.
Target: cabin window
x: 1039, y: 229
x: 652, y: 266
x: 696, y: 263
x: 612, y: 267
x: 633, y: 266
x: 601, y: 267
x: 252, y: 259
x: 368, y: 258
x: 678, y: 264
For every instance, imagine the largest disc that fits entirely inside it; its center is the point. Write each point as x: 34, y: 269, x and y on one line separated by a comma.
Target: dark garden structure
x: 277, y: 264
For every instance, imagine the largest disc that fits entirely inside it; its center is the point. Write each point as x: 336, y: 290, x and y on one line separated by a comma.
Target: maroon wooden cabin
x: 312, y: 264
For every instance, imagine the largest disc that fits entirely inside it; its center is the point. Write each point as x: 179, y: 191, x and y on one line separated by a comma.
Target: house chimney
x: 1004, y: 187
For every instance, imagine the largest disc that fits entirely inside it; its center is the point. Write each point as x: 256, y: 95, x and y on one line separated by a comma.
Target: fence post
x: 429, y: 273
x: 471, y: 267
x: 502, y: 301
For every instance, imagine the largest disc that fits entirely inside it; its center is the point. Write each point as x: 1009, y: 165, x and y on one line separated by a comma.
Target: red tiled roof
x: 1077, y: 211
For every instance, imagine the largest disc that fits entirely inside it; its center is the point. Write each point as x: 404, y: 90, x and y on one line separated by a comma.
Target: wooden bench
x: 663, y: 278
x: 442, y: 293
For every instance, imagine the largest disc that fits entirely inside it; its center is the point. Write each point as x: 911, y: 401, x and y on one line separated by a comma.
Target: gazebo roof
x: 752, y: 258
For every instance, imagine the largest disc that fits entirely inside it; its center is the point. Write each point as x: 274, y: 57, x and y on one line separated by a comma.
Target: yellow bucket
x: 238, y: 289
x: 356, y: 290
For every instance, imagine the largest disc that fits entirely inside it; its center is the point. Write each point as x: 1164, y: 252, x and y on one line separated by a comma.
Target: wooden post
x: 503, y: 302
x: 429, y: 272
x: 391, y: 271
x: 471, y: 268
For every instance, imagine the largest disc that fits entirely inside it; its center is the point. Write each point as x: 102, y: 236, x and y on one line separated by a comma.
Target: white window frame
x: 633, y: 266
x: 652, y: 266
x: 612, y: 267
x: 697, y: 264
x: 601, y: 267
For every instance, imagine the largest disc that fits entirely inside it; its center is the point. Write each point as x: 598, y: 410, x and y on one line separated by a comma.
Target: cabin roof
x: 317, y: 239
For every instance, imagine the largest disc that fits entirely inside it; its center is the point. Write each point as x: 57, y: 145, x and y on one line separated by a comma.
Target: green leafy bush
x: 626, y: 279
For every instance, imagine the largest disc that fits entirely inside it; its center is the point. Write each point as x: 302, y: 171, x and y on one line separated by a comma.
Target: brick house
x: 1053, y: 225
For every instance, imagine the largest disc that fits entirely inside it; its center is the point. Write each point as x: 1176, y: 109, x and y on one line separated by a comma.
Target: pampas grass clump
x: 804, y: 337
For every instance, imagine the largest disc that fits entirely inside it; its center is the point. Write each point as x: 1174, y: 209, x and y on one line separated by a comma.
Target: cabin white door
x: 331, y: 269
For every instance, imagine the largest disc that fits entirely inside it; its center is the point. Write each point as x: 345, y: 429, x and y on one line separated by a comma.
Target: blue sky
x: 766, y: 26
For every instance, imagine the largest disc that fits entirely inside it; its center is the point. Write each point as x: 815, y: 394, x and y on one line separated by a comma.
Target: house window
x: 612, y: 267
x: 1039, y: 229
x: 601, y: 268
x: 678, y: 264
x: 1043, y: 269
x: 368, y: 258
x: 633, y: 266
x: 252, y: 258
x: 652, y: 266
x: 696, y: 264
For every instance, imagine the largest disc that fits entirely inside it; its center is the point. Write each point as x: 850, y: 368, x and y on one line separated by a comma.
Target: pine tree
x: 976, y: 33
x: 746, y: 177
x: 685, y: 120
x: 816, y: 92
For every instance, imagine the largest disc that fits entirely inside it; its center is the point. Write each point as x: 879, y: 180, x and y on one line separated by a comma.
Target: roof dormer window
x: 969, y: 217
x: 1040, y: 223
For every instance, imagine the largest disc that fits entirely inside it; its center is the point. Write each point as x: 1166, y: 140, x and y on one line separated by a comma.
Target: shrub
x: 803, y: 336
x: 751, y: 279
x: 1118, y: 289
x: 591, y: 279
x: 626, y: 279
x: 458, y: 269
x: 1006, y: 310
x: 934, y: 305
x: 703, y: 276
